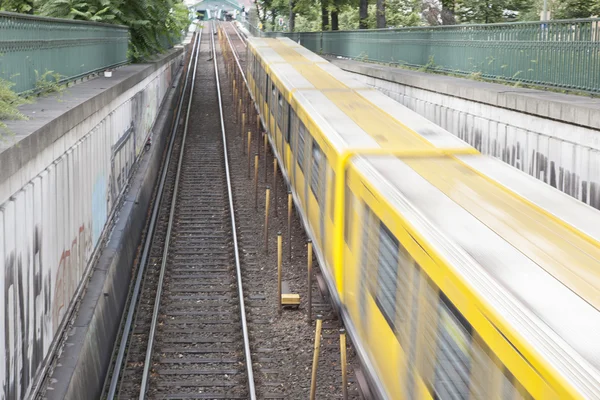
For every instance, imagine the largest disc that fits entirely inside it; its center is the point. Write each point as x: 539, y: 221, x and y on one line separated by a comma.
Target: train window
x: 405, y: 262
x: 387, y: 274
x: 453, y: 362
x: 288, y: 132
x: 366, y: 262
x: 429, y: 313
x: 301, y: 140
x: 280, y: 112
x: 293, y: 130
x: 348, y: 215
x: 266, y: 88
x: 273, y: 99
x: 315, y: 173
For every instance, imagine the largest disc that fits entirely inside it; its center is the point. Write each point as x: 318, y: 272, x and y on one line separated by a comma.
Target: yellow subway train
x: 457, y: 276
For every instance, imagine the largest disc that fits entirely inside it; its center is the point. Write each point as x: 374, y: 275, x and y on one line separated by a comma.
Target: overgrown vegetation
x: 9, y: 101
x: 48, y: 83
x: 153, y: 23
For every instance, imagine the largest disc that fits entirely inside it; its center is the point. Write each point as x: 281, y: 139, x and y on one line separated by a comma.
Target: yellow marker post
x: 279, y: 260
x: 290, y: 204
x: 317, y: 349
x: 243, y: 124
x: 309, y: 262
x: 275, y: 184
x: 267, y: 198
x: 265, y: 141
x: 343, y: 364
x: 248, y: 151
x: 256, y: 181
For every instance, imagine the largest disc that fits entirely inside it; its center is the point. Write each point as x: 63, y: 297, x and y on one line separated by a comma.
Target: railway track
x: 328, y: 382
x: 188, y: 335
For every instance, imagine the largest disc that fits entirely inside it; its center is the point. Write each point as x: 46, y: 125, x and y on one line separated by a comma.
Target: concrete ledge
x: 81, y: 368
x: 51, y: 117
x: 577, y: 110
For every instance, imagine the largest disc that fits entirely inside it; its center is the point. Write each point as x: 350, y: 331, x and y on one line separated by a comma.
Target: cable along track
x: 191, y: 313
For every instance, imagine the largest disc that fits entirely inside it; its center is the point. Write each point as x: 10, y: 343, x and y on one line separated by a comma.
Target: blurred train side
x: 433, y: 310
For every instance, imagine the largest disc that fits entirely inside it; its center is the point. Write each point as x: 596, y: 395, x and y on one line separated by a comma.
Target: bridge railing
x: 66, y: 47
x: 561, y: 53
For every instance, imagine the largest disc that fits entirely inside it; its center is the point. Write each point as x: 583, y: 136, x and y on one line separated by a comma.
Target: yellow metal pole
x: 248, y: 150
x: 275, y: 185
x: 279, y: 257
x: 309, y: 262
x: 313, y: 378
x: 290, y: 204
x: 267, y: 198
x: 256, y: 181
x: 265, y: 151
x: 243, y: 124
x: 343, y: 364
x: 235, y: 103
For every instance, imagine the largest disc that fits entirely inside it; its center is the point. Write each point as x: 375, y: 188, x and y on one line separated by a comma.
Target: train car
x: 457, y: 276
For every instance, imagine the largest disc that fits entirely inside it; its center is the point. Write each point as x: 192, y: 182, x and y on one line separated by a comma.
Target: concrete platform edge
x: 81, y: 368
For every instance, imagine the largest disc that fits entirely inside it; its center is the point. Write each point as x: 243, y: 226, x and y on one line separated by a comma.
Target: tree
x: 569, y: 9
x: 324, y: 15
x: 447, y: 13
x: 335, y: 13
x: 18, y: 6
x: 482, y: 11
x: 151, y: 22
x: 363, y: 11
x: 381, y: 14
x: 292, y: 18
x: 432, y: 12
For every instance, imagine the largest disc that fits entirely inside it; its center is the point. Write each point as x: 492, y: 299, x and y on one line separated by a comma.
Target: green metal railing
x: 69, y: 48
x: 562, y: 53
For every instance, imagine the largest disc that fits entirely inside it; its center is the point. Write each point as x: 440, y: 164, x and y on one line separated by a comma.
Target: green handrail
x: 561, y: 54
x: 69, y: 48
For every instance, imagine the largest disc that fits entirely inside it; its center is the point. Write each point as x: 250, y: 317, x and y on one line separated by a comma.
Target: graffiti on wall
x: 553, y: 161
x: 49, y: 229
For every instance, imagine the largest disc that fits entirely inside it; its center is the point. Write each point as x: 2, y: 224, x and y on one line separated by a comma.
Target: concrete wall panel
x: 561, y: 154
x: 53, y: 212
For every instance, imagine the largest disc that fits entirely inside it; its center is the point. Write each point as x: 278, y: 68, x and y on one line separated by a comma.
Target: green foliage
x: 19, y: 6
x: 9, y: 101
x: 398, y: 14
x: 482, y: 11
x: 568, y: 9
x: 430, y: 66
x: 152, y: 23
x: 48, y: 83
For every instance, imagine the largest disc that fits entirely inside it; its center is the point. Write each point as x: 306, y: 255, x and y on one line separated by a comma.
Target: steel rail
x: 237, y: 32
x: 247, y: 354
x: 151, y: 227
x: 236, y: 58
x: 148, y: 360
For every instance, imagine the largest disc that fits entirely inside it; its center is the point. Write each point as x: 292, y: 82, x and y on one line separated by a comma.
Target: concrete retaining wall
x: 85, y: 356
x: 58, y: 186
x: 551, y: 136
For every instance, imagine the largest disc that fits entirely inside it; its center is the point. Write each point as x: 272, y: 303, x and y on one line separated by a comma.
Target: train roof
x: 350, y: 113
x: 490, y: 220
